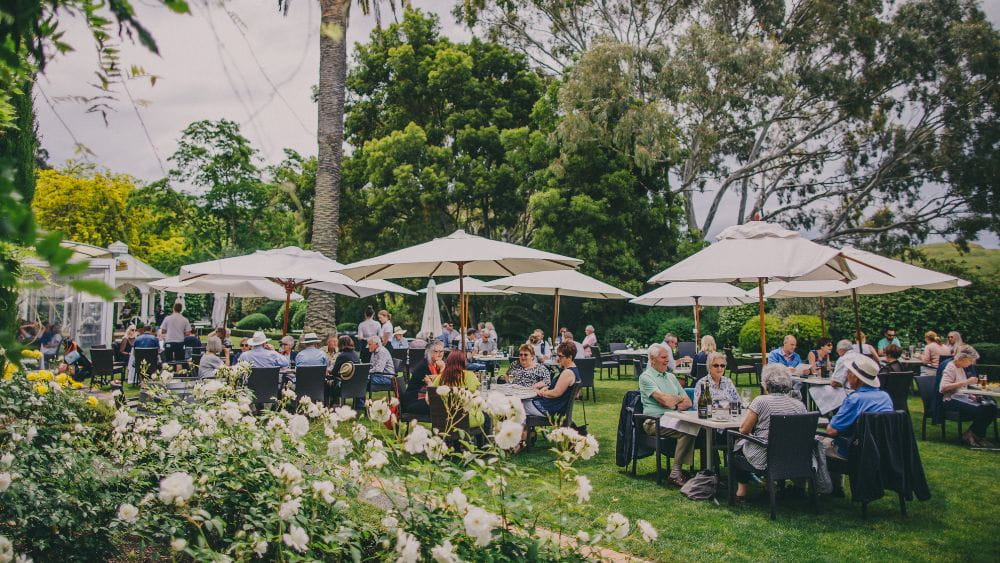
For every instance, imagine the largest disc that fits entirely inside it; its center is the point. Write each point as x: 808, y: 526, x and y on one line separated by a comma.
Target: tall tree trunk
x: 321, y: 311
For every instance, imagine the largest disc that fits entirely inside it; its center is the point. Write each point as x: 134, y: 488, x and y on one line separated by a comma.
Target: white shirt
x: 386, y: 331
x: 844, y: 362
x: 176, y: 326
x: 367, y: 329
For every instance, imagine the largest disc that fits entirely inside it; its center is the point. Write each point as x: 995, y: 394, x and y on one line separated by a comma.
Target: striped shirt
x: 764, y: 406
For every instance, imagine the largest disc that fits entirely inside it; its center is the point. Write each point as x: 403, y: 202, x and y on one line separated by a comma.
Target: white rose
x: 507, y: 435
x: 289, y: 509
x: 5, y: 481
x: 6, y: 550
x: 649, y: 533
x: 176, y: 488
x: 127, y: 512
x: 296, y: 538
x: 583, y: 488
x: 7, y: 460
x: 443, y: 390
x: 325, y: 489
x: 344, y: 413
x: 170, y: 430
x: 178, y: 544
x: 260, y: 548
x: 618, y: 525
x: 379, y: 411
x: 407, y: 547
x: 479, y: 525
x: 288, y: 473
x: 583, y: 536
x: 444, y: 553
x: 436, y: 449
x: 298, y: 426
x: 377, y: 460
x: 457, y: 500
x: 338, y: 448
x: 587, y: 447
x: 416, y: 441
x: 359, y: 433
x: 277, y: 445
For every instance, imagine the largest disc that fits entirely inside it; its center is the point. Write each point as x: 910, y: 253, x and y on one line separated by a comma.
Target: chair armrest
x: 739, y: 435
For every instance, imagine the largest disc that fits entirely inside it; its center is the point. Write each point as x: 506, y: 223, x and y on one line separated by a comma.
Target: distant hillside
x: 985, y: 260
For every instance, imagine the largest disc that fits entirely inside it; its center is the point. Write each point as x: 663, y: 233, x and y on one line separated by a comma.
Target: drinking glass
x: 983, y: 380
x: 745, y: 398
x: 720, y: 410
x: 734, y: 408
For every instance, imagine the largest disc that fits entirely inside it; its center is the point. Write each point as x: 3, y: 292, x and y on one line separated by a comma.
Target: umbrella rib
x: 505, y: 268
x: 372, y: 273
x: 570, y: 266
x: 867, y: 265
x: 434, y: 271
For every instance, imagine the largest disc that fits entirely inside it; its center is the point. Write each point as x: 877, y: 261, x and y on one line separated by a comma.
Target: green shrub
x: 623, y: 333
x: 750, y: 333
x: 347, y: 327
x: 806, y: 329
x: 298, y: 321
x: 989, y: 352
x: 682, y: 327
x: 254, y: 321
x: 297, y: 306
x: 731, y: 320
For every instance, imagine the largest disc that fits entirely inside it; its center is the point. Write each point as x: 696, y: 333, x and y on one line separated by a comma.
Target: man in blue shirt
x: 261, y: 355
x: 862, y: 376
x: 786, y: 355
x: 888, y: 339
x: 310, y: 355
x: 145, y: 339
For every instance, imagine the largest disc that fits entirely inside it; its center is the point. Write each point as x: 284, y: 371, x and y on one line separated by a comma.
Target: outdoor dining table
x: 641, y: 353
x: 515, y: 391
x: 808, y: 382
x: 710, y: 425
x: 994, y: 392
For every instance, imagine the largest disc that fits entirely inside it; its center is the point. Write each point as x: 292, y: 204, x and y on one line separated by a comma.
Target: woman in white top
x: 368, y: 327
x: 385, y: 331
x: 982, y: 410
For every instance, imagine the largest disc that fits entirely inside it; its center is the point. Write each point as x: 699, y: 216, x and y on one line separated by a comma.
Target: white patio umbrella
x: 224, y: 289
x: 758, y: 251
x: 891, y: 276
x: 291, y: 268
x: 430, y: 322
x: 564, y: 283
x: 471, y: 286
x: 458, y: 254
x: 694, y: 294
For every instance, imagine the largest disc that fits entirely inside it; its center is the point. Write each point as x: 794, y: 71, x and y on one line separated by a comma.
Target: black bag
x: 702, y: 486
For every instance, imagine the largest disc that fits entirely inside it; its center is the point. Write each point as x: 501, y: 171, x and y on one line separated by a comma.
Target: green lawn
x: 958, y: 523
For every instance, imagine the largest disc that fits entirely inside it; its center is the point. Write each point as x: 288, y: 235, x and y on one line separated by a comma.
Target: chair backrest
x: 439, y: 414
x: 685, y: 349
x: 616, y: 346
x: 104, y: 361
x: 310, y: 381
x: 398, y: 364
x: 400, y: 354
x: 639, y: 364
x: 698, y: 371
x: 569, y: 407
x: 401, y: 386
x: 690, y: 394
x: 414, y: 356
x: 145, y: 358
x: 790, y: 443
x: 897, y: 384
x: 586, y: 367
x: 264, y: 384
x: 595, y: 351
x: 357, y: 386
x: 925, y: 384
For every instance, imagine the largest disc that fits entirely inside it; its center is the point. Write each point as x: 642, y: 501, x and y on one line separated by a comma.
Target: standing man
x: 174, y: 328
x: 589, y: 341
x: 661, y: 392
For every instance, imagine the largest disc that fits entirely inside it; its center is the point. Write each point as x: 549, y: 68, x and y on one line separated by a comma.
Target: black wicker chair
x: 357, y: 386
x: 789, y: 454
x: 265, y: 384
x: 661, y: 446
x: 533, y: 422
x: 459, y: 430
x: 587, y: 367
x: 105, y: 366
x: 310, y: 381
x: 145, y: 362
x: 897, y: 384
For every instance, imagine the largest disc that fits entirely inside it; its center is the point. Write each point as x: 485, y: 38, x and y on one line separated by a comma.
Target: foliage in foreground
x: 212, y: 480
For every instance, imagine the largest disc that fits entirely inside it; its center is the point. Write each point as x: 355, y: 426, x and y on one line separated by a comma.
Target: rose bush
x: 211, y: 479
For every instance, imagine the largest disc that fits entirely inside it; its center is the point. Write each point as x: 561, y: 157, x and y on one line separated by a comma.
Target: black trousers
x: 173, y: 352
x: 982, y: 414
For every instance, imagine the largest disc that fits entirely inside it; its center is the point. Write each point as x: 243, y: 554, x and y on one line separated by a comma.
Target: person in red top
x: 414, y: 398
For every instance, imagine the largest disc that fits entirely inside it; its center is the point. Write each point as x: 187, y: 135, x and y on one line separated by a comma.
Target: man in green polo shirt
x: 661, y: 392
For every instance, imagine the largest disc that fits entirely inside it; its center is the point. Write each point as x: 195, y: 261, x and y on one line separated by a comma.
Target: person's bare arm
x: 566, y: 379
x: 749, y: 422
x: 679, y: 402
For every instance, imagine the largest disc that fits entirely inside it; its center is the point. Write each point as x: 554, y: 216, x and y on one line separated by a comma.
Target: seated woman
x: 554, y: 396
x: 720, y: 387
x: 455, y: 375
x: 526, y: 370
x: 124, y: 348
x: 777, y: 400
x: 414, y: 400
x: 212, y: 359
x: 933, y: 350
x: 982, y: 410
x: 699, y: 367
x: 892, y: 355
x: 346, y: 355
x: 819, y: 357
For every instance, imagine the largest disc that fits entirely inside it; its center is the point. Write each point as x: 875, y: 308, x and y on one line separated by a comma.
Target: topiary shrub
x: 731, y: 320
x: 347, y: 327
x: 682, y: 327
x: 806, y: 329
x: 255, y: 321
x: 750, y: 333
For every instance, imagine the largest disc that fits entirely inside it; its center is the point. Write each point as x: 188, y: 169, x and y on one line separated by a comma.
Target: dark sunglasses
x: 525, y: 354
x: 718, y: 365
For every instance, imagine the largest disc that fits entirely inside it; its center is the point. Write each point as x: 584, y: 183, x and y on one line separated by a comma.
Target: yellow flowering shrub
x: 41, y: 388
x: 85, y: 205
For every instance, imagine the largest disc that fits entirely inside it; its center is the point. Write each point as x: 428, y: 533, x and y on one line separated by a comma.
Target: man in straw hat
x: 862, y: 377
x: 261, y: 354
x: 398, y: 341
x: 310, y: 355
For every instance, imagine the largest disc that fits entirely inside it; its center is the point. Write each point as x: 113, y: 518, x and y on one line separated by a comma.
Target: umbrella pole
x: 461, y: 300
x: 822, y: 318
x: 555, y: 317
x: 288, y: 300
x: 857, y: 320
x: 697, y: 326
x: 763, y: 331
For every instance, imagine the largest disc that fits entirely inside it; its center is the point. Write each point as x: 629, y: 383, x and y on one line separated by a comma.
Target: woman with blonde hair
x: 699, y: 366
x: 385, y: 319
x: 931, y: 356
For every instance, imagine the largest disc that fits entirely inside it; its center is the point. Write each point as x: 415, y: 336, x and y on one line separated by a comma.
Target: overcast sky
x: 241, y: 60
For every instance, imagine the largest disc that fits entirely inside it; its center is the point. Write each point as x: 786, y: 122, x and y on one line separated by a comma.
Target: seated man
x: 310, y: 355
x: 383, y: 369
x: 261, y: 354
x: 888, y: 339
x: 484, y: 345
x: 190, y: 340
x: 786, y: 355
x: 862, y: 377
x: 661, y: 392
x: 846, y: 354
x: 398, y: 341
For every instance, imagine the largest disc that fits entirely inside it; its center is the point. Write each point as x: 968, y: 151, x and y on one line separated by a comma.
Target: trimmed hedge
x: 750, y: 333
x: 254, y: 321
x: 347, y: 327
x: 806, y: 329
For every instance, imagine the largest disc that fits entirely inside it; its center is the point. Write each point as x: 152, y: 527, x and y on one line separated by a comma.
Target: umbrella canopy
x: 235, y: 287
x: 694, y: 294
x: 561, y: 283
x: 458, y: 254
x: 290, y: 267
x: 472, y: 286
x: 759, y: 251
x: 430, y: 323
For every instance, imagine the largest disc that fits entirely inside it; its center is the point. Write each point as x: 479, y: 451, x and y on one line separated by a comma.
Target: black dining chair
x: 105, y: 366
x: 145, y: 362
x: 357, y: 386
x: 660, y: 445
x: 265, y: 385
x: 897, y: 384
x: 310, y: 381
x: 789, y: 444
x: 587, y: 366
x: 454, y: 430
x: 565, y: 420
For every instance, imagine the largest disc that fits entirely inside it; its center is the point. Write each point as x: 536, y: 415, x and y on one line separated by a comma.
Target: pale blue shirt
x: 310, y: 356
x: 260, y: 357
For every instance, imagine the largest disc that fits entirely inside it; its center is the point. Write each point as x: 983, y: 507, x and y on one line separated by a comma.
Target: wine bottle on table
x: 704, y: 400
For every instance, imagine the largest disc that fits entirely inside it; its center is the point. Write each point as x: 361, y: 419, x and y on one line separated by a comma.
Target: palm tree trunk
x: 321, y: 311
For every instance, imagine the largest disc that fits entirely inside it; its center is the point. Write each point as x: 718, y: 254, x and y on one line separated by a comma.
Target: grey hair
x: 965, y: 352
x: 589, y: 327
x: 375, y: 339
x: 655, y: 350
x: 774, y: 379
x: 214, y: 345
x: 429, y: 351
x: 844, y: 345
x: 787, y: 336
x: 288, y: 340
x: 712, y: 356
